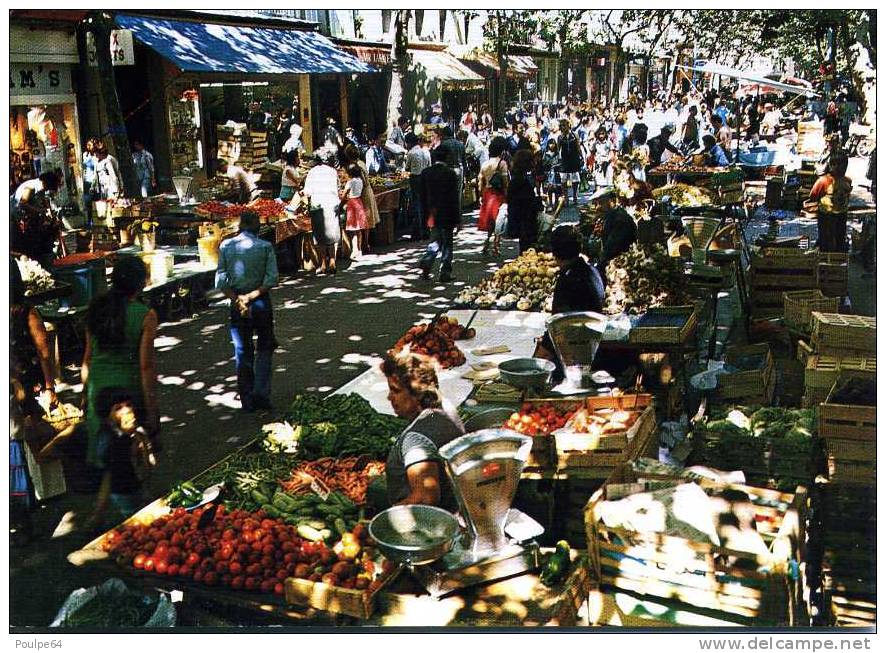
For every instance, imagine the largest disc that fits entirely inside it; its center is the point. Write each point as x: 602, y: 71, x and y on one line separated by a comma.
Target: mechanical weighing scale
x: 576, y: 336
x: 701, y: 229
x: 495, y: 541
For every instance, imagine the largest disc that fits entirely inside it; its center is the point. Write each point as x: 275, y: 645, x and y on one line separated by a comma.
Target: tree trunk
x: 101, y: 34
x: 862, y: 70
x: 501, y: 53
x: 399, y: 66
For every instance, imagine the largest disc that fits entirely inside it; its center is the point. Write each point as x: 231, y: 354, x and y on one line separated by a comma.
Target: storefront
x: 212, y: 76
x: 435, y: 76
x: 43, y: 123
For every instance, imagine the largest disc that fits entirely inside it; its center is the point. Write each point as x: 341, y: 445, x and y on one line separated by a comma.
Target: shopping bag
x: 501, y: 220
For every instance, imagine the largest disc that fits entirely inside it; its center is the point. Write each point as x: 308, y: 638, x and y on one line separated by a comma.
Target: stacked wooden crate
x: 241, y: 146
x: 692, y: 579
x: 841, y: 345
x: 776, y: 270
x: 753, y: 382
x: 833, y: 274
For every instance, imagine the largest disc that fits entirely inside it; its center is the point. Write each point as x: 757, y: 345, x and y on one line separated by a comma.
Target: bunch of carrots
x: 347, y: 475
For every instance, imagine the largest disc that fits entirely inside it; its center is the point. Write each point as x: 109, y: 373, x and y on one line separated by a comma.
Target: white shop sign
x: 122, y: 50
x: 39, y: 79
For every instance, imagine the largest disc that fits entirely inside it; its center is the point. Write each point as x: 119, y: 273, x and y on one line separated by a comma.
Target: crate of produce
x: 799, y: 304
x: 607, y: 431
x: 822, y: 371
x: 332, y: 598
x: 753, y: 375
x: 774, y: 447
x: 833, y: 275
x: 683, y: 559
x: 671, y: 325
x: 836, y: 333
x: 850, y: 411
x: 539, y: 419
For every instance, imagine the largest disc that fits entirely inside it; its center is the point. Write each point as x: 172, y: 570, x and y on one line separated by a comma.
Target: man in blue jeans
x: 441, y: 202
x: 247, y: 270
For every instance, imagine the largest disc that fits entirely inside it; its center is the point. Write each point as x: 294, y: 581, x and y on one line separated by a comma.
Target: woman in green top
x: 119, y: 352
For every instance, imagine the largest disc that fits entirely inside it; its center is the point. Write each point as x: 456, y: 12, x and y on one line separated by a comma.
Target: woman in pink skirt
x: 356, y: 221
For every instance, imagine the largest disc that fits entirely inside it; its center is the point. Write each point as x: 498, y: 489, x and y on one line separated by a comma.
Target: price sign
x: 319, y: 488
x: 121, y: 46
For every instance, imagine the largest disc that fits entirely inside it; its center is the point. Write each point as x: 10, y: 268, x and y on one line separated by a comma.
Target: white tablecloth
x: 516, y: 329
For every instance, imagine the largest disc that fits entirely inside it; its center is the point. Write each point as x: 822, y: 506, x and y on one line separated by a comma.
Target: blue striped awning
x: 211, y: 47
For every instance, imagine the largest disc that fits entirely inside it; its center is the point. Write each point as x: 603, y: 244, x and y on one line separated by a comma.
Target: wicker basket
x: 799, y: 304
x: 832, y: 332
x: 63, y: 416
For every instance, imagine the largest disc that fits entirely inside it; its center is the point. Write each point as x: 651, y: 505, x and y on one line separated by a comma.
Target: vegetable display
x: 541, y: 419
x: 267, y: 209
x: 683, y: 195
x: 184, y: 495
x: 432, y: 341
x: 526, y: 283
x: 113, y: 610
x: 245, y: 472
x: 644, y: 277
x: 244, y: 551
x: 342, y: 425
x: 35, y: 277
x: 348, y: 475
x: 557, y: 565
x: 771, y: 445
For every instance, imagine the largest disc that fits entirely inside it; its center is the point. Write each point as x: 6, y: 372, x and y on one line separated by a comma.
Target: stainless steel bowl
x: 414, y: 534
x: 488, y: 419
x: 527, y: 372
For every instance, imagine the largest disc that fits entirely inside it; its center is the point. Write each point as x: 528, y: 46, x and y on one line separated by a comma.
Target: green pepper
x: 557, y: 565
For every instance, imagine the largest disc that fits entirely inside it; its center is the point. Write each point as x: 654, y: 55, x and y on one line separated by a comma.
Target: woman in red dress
x: 493, y: 183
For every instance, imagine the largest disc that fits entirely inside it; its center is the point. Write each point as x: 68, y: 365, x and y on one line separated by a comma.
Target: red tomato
x: 185, y: 571
x: 198, y: 576
x: 192, y: 559
x: 267, y: 524
x: 149, y: 564
x: 267, y: 586
x: 229, y: 534
x: 172, y: 570
x: 278, y: 589
x: 211, y: 578
x: 139, y: 561
x: 257, y: 534
x: 237, y: 582
x: 161, y: 566
x: 221, y: 566
x: 250, y: 583
x: 247, y: 536
x: 268, y: 550
x: 281, y: 574
x: 236, y: 568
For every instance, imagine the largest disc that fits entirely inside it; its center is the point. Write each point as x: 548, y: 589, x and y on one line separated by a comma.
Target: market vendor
x: 414, y: 472
x: 661, y: 144
x: 829, y: 200
x: 714, y: 154
x: 243, y: 183
x: 33, y: 232
x: 579, y: 286
x: 619, y: 228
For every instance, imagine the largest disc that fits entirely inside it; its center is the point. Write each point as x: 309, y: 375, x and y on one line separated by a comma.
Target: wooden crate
x: 329, y: 598
x: 667, y: 335
x: 799, y: 304
x: 833, y: 274
x: 837, y: 421
x: 822, y: 371
x: 688, y: 572
x: 747, y: 383
x: 784, y: 268
x: 578, y: 450
x: 836, y: 332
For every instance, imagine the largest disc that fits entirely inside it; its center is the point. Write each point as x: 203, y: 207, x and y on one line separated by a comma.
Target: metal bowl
x: 527, y: 372
x: 488, y: 419
x: 414, y: 534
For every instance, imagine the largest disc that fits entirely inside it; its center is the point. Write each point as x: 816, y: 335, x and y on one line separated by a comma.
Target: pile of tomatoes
x: 238, y: 549
x: 214, y: 207
x: 268, y: 210
x: 540, y: 419
x: 434, y: 342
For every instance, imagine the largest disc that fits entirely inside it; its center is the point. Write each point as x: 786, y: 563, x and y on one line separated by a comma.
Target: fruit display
x: 451, y: 327
x: 243, y: 551
x: 268, y: 210
x: 351, y: 476
x: 526, y: 283
x: 35, y: 277
x: 433, y: 341
x: 644, y: 277
x: 342, y: 425
x: 685, y: 195
x: 538, y: 419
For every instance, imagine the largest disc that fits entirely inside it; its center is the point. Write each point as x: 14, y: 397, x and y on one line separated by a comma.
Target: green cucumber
x: 271, y: 510
x: 310, y: 534
x: 259, y: 498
